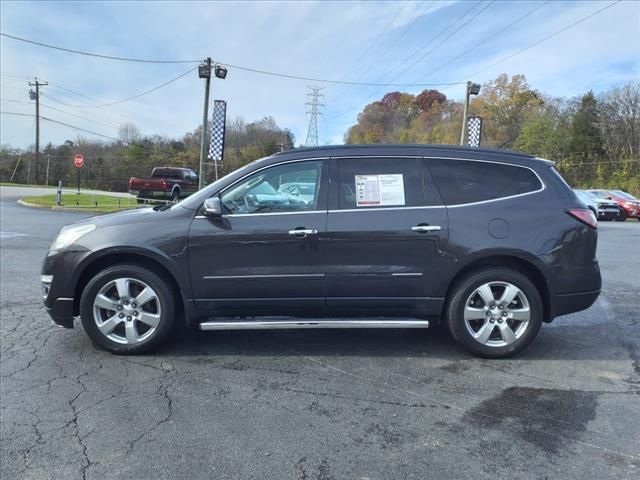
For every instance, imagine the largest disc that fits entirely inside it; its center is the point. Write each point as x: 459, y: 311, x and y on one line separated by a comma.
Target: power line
x: 381, y: 56
x: 61, y: 123
x: 238, y: 67
x: 139, y: 94
x: 98, y: 55
x: 80, y: 116
x: 583, y: 19
x: 372, y: 44
x: 421, y: 57
x: 122, y: 115
x: 476, y: 45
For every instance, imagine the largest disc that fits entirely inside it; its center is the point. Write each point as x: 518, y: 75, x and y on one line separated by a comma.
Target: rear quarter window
x: 466, y: 181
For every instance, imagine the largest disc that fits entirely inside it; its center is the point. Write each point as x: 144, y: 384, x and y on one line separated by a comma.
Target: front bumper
x: 59, y: 280
x: 61, y: 312
x: 633, y: 212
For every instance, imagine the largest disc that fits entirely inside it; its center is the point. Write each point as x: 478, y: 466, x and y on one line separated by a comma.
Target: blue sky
x: 353, y: 41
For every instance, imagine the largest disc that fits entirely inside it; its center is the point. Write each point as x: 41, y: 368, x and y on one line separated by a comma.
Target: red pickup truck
x: 168, y: 183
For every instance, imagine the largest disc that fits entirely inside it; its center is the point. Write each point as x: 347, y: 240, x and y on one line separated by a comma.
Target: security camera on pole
x: 472, y: 89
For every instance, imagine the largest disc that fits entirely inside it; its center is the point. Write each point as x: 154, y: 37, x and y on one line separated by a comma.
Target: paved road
x: 11, y: 192
x: 317, y: 404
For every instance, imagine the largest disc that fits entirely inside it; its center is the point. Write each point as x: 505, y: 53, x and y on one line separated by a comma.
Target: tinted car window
x: 292, y: 187
x: 379, y: 182
x: 461, y: 181
x: 167, y: 173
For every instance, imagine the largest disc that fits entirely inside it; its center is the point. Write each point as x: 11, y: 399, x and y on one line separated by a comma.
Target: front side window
x: 464, y: 181
x: 292, y: 187
x: 379, y: 182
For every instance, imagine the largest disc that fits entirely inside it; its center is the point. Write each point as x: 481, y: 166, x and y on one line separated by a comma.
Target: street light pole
x: 472, y: 89
x: 204, y: 71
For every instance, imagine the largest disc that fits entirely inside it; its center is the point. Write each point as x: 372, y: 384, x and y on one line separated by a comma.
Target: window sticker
x: 379, y: 190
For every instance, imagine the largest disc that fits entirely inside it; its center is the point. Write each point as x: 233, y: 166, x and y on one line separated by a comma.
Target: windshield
x: 599, y: 193
x: 622, y: 194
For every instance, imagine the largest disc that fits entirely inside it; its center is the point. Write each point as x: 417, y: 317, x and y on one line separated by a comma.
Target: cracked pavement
x: 316, y: 405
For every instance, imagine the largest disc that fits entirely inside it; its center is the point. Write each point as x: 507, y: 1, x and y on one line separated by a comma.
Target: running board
x: 291, y: 324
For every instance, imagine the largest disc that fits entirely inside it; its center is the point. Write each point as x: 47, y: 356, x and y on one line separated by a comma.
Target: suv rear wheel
x: 494, y: 313
x: 127, y: 309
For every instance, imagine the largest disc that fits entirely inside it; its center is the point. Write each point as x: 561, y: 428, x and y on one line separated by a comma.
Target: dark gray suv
x: 489, y: 243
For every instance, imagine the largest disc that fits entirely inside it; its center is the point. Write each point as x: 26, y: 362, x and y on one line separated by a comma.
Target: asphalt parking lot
x: 316, y: 404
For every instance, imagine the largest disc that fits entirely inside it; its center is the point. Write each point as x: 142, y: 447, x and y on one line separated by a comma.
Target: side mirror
x: 212, y: 207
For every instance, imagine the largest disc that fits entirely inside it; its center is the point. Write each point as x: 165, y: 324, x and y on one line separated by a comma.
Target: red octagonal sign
x: 78, y: 160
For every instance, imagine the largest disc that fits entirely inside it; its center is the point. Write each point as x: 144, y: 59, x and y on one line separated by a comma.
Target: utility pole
x: 312, y: 133
x: 46, y: 182
x: 204, y: 71
x: 472, y: 89
x: 36, y: 96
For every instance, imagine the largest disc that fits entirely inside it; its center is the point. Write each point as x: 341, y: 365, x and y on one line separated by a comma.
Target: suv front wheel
x: 127, y: 309
x: 494, y: 313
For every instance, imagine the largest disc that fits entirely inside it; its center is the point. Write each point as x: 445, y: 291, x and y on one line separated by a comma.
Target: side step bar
x: 297, y: 323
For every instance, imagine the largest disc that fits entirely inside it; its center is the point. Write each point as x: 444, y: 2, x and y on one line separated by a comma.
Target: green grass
x: 10, y: 184
x: 85, y: 202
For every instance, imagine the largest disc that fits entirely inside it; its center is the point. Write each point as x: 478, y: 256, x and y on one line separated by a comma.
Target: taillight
x: 164, y: 184
x: 585, y: 216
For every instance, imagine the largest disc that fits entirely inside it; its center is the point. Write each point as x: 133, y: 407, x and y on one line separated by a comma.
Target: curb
x: 66, y: 209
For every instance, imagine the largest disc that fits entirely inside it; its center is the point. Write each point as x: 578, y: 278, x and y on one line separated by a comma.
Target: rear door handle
x: 303, y: 232
x: 426, y: 228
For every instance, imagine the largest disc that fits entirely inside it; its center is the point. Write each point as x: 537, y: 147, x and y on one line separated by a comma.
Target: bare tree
x: 128, y: 133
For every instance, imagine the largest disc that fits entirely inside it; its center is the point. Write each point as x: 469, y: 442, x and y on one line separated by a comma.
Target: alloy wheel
x: 127, y: 311
x: 496, y: 314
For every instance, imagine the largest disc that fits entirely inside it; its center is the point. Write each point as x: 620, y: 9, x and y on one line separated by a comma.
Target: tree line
x: 109, y: 165
x: 594, y: 140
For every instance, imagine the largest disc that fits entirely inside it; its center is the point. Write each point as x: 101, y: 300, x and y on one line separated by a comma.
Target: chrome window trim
x: 375, y: 209
x: 220, y: 192
x: 492, y: 199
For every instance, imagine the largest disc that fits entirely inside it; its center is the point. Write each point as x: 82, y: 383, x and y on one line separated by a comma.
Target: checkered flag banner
x: 474, y: 131
x: 218, y: 123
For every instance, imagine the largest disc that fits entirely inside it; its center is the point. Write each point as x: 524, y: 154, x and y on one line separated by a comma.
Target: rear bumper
x: 61, y: 312
x: 573, y: 302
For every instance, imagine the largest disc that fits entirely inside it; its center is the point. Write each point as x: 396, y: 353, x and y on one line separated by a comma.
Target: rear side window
x: 167, y: 173
x: 379, y: 182
x: 462, y: 181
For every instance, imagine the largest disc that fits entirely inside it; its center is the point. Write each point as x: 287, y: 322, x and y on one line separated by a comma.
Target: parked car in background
x: 165, y: 183
x: 589, y: 201
x: 606, y: 209
x: 376, y: 236
x: 628, y: 204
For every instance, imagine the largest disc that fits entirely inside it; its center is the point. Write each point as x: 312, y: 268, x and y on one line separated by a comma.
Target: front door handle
x: 426, y: 228
x: 303, y: 232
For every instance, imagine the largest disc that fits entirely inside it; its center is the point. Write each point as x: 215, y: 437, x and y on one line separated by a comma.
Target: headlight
x: 69, y: 235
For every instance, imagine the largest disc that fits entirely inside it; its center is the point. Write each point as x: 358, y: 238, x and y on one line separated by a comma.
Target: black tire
x: 164, y: 298
x: 462, y: 291
x: 140, y: 200
x: 175, y: 195
x: 622, y: 216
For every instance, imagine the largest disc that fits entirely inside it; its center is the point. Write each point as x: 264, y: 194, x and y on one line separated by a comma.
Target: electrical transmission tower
x: 314, y: 97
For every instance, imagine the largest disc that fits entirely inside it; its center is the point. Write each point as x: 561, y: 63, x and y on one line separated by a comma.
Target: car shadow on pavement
x: 435, y: 342
x: 325, y: 342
